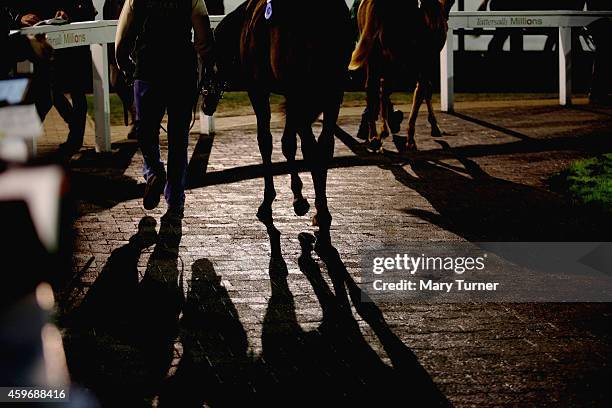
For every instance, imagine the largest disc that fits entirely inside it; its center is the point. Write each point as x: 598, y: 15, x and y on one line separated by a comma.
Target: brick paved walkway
x: 208, y: 316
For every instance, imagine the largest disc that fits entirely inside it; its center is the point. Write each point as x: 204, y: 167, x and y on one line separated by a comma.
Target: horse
x: 301, y: 53
x: 395, y: 34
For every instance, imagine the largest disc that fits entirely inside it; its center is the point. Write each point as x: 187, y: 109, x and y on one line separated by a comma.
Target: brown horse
x: 399, y: 34
x: 303, y: 54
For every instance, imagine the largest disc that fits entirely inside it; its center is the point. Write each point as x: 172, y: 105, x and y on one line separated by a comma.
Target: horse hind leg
x: 433, y: 121
x: 385, y: 109
x: 417, y: 101
x: 261, y: 106
x: 289, y: 141
x: 374, y: 101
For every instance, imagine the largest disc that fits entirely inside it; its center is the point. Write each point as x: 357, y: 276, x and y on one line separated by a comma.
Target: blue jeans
x: 152, y: 100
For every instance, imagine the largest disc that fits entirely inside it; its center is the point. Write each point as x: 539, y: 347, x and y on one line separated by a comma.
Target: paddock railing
x: 563, y: 20
x: 97, y: 34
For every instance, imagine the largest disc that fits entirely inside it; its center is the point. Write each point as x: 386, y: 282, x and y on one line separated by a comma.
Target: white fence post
x: 207, y: 124
x: 99, y: 56
x: 27, y: 67
x: 447, y: 75
x: 565, y: 66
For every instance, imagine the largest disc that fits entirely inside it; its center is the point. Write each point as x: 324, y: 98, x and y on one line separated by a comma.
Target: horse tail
x: 369, y: 28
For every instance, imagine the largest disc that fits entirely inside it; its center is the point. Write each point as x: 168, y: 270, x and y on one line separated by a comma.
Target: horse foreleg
x: 289, y: 141
x: 325, y: 150
x: 417, y: 100
x: 261, y: 106
x: 433, y: 121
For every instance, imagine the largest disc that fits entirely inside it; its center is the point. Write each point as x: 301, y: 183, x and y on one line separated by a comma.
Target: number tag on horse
x: 268, y: 14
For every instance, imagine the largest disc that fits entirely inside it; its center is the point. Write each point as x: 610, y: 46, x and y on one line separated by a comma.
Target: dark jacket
x: 215, y: 7
x: 12, y: 48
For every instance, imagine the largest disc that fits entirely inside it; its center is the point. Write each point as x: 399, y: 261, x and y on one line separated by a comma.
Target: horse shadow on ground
x: 99, y: 181
x: 333, y: 364
x: 121, y: 341
x: 479, y: 207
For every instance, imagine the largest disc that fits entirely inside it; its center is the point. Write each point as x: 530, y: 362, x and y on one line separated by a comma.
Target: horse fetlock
x: 411, y: 132
x: 264, y: 213
x: 289, y: 146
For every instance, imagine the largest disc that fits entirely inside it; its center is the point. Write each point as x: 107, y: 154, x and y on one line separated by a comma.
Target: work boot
x: 70, y: 147
x: 153, y: 190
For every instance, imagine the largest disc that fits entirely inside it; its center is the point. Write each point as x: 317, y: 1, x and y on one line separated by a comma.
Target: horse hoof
x: 264, y: 213
x: 375, y: 145
x: 395, y: 121
x: 411, y: 146
x: 301, y: 206
x: 436, y: 132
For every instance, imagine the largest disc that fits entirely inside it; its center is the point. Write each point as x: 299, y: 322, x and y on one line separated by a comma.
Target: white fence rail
x: 563, y: 20
x: 97, y: 34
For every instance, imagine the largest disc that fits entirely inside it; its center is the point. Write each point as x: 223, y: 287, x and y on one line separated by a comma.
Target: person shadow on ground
x: 120, y: 341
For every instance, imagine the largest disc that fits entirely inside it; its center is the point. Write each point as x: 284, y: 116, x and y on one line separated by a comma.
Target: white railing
x: 563, y: 20
x: 96, y: 34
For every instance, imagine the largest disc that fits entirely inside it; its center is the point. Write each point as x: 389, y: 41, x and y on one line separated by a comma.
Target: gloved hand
x: 127, y: 72
x: 212, y: 89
